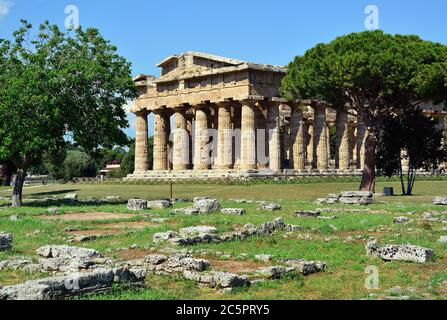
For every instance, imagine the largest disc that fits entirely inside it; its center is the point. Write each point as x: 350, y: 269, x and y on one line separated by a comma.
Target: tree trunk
x: 369, y: 168
x: 18, y: 188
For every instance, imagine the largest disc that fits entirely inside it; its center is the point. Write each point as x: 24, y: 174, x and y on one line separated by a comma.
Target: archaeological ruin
x: 222, y: 117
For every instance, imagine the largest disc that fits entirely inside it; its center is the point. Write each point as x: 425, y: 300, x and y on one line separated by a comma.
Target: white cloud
x: 5, y: 8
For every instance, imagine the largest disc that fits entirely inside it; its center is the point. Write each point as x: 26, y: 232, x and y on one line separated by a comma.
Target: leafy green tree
x: 376, y: 74
x: 414, y: 137
x: 54, y: 86
x: 79, y: 164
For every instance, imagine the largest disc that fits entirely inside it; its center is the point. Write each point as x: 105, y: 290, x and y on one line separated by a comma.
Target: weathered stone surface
x: 233, y: 211
x: 306, y: 267
x: 292, y: 227
x: 191, y: 211
x: 65, y: 258
x: 197, y: 230
x: 72, y: 285
x: 230, y: 280
x: 159, y: 204
x: 206, y: 205
x: 275, y: 272
x: 348, y: 197
x: 440, y: 201
x: 136, y: 204
x: 53, y: 210
x: 401, y: 220
x: 407, y: 252
x: 263, y: 257
x: 155, y: 259
x: 6, y: 239
x: 113, y: 199
x: 164, y: 236
x: 71, y: 197
x: 312, y: 214
x: 269, y: 206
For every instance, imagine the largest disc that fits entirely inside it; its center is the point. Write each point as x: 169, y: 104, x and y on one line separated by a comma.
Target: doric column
x: 361, y: 137
x: 320, y: 138
x: 141, y: 140
x: 225, y: 137
x: 342, y: 153
x: 274, y: 137
x: 262, y: 137
x: 310, y: 144
x: 161, y: 127
x: 297, y: 139
x: 201, y: 139
x: 248, y: 135
x: 180, y: 156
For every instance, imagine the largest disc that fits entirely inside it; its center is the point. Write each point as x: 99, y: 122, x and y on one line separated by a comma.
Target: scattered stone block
x: 233, y: 211
x: 136, y: 204
x: 197, y: 230
x: 71, y: 197
x: 53, y: 211
x: 206, y: 205
x: 6, y: 240
x: 159, y: 204
x: 164, y: 236
x: 406, y: 252
x: 264, y: 257
x: 266, y: 206
x: 312, y: 214
x: 401, y: 220
x: 275, y: 272
x: 443, y: 239
x: 440, y: 201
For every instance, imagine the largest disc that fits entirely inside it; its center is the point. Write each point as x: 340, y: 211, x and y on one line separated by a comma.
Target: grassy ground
x: 341, y: 247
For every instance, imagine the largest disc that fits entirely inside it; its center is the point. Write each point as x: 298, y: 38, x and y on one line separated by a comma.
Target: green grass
x: 347, y: 261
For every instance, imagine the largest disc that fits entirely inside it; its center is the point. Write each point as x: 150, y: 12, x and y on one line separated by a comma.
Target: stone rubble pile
x: 6, y: 240
x: 205, y: 236
x: 312, y: 214
x: 136, y: 204
x: 348, y: 197
x: 76, y: 270
x: 406, y: 252
x: 79, y: 283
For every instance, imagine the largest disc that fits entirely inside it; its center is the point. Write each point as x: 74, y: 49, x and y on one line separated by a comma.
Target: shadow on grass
x: 60, y: 203
x: 52, y: 193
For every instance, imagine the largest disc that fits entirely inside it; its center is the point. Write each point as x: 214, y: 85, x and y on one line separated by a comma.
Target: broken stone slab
x: 66, y: 258
x: 206, y: 205
x: 230, y: 280
x: 327, y: 217
x: 312, y: 214
x: 275, y: 272
x: 352, y: 200
x: 264, y: 257
x: 401, y: 220
x: 269, y: 227
x: 356, y: 194
x: 84, y: 238
x: 113, y: 199
x: 440, y: 201
x: 267, y: 206
x: 408, y: 252
x: 292, y: 227
x: 197, y: 230
x: 75, y: 284
x: 71, y: 197
x: 136, y: 204
x: 164, y: 236
x: 6, y: 239
x: 155, y: 259
x: 188, y: 211
x: 159, y: 204
x: 233, y: 211
x: 306, y: 267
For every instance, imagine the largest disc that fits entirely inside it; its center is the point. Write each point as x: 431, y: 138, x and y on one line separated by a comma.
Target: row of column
x: 248, y: 118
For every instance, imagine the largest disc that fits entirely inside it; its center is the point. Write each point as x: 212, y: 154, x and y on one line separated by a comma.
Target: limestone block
x: 136, y: 204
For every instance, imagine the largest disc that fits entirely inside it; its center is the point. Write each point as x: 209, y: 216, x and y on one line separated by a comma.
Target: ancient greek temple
x: 218, y: 117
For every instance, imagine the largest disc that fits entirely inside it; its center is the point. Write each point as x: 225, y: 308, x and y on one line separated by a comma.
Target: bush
x: 79, y: 164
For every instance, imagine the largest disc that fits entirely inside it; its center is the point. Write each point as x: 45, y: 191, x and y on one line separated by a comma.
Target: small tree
x: 56, y: 85
x: 376, y: 74
x: 78, y: 164
x: 413, y: 137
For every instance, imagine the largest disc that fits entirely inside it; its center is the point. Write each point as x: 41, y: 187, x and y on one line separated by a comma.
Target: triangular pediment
x: 194, y: 62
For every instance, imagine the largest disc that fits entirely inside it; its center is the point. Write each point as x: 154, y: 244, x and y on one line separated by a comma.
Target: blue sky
x: 264, y: 31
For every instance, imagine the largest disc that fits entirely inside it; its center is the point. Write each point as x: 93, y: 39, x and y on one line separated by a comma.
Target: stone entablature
x: 228, y: 118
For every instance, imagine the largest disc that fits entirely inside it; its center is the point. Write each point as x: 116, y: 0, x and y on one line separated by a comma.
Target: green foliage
x: 56, y: 85
x: 78, y: 164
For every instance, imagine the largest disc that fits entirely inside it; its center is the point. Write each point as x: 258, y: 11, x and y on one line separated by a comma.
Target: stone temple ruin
x: 229, y: 120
